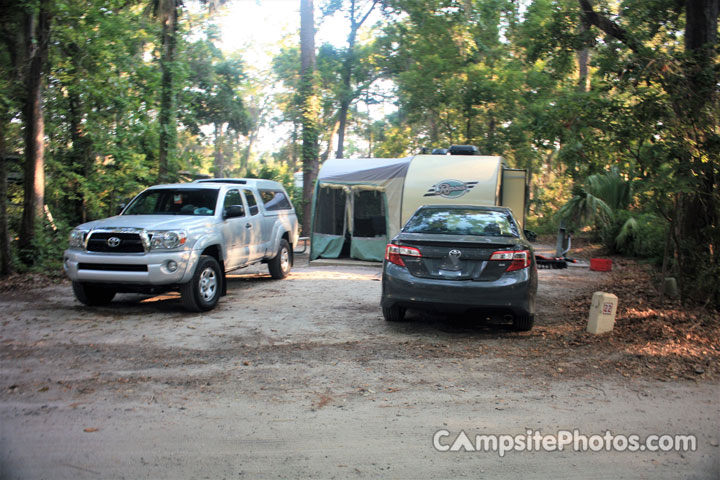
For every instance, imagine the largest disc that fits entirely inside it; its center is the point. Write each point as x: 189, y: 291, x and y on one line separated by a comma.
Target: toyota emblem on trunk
x: 113, y: 242
x: 455, y: 253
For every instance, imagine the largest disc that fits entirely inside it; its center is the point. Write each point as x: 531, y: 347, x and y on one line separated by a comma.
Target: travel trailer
x: 361, y: 203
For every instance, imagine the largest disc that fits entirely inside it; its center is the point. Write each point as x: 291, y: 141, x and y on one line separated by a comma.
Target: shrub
x: 639, y: 235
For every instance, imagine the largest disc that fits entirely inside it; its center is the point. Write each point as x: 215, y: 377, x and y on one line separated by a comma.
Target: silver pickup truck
x: 184, y: 237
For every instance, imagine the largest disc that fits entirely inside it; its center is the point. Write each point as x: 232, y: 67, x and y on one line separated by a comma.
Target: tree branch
x: 608, y: 26
x: 367, y: 14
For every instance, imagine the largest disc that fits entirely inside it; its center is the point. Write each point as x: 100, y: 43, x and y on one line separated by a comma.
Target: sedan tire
x: 394, y: 313
x: 523, y: 323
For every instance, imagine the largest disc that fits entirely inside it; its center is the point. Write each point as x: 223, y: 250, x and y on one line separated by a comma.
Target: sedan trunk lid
x: 453, y: 257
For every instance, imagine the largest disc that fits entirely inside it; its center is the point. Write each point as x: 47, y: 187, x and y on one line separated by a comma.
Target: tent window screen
x: 330, y: 215
x: 369, y: 214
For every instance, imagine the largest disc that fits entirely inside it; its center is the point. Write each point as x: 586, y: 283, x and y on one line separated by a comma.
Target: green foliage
x: 102, y: 100
x: 639, y: 235
x: 394, y: 140
x: 603, y: 203
x: 629, y: 149
x: 596, y: 202
x: 99, y: 102
x: 282, y: 174
x: 542, y: 225
x: 48, y: 245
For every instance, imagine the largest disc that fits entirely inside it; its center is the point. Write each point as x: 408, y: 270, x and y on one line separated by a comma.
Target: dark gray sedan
x: 457, y: 258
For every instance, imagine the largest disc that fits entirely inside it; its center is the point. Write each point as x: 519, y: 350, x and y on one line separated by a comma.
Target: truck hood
x: 151, y: 222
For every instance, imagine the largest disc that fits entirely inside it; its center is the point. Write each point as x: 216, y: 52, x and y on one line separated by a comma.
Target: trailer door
x: 513, y: 192
x: 369, y: 224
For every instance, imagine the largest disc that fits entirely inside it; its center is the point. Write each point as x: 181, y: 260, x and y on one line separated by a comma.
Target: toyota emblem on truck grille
x: 113, y: 242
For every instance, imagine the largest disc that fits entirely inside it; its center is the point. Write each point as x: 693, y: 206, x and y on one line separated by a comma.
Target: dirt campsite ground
x: 302, y: 378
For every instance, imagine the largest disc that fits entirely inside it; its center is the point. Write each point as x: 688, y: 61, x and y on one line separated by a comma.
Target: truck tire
x: 203, y: 292
x: 394, y: 313
x: 280, y: 265
x: 523, y: 323
x: 92, y: 295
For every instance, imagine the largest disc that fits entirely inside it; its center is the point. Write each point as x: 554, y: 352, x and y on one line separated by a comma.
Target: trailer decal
x: 450, y: 189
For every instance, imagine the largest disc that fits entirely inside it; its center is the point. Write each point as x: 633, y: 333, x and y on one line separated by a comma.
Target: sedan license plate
x: 450, y: 273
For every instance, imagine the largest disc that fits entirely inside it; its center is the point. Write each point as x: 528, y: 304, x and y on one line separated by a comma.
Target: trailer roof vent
x: 464, y: 150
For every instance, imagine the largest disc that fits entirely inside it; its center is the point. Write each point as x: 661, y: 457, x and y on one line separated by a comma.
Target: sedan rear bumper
x: 514, y: 292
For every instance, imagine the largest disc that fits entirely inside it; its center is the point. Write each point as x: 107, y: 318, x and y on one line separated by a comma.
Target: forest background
x: 612, y: 106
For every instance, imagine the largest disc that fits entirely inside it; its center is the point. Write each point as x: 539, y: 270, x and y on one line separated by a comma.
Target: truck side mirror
x: 530, y: 235
x: 234, y: 211
x: 120, y: 208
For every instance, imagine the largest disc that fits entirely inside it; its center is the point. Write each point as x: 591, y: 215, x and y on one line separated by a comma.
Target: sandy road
x: 302, y: 378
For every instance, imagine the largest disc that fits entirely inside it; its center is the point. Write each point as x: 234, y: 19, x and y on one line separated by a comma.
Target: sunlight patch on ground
x: 330, y: 275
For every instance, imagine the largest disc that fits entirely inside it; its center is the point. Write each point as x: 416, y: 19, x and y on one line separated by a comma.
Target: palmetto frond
x: 598, y: 199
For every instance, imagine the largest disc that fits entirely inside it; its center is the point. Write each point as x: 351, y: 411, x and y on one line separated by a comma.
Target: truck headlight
x: 77, y: 238
x: 167, y: 239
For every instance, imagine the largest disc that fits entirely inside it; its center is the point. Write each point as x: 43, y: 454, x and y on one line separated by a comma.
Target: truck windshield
x: 172, y: 201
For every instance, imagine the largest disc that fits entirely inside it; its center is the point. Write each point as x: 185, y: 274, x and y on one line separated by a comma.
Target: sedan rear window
x: 462, y: 221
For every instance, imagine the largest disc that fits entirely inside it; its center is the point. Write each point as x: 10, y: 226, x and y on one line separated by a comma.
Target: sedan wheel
x: 523, y: 323
x: 394, y: 313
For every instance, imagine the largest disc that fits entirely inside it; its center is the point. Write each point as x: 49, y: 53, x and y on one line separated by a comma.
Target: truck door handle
x: 248, y: 225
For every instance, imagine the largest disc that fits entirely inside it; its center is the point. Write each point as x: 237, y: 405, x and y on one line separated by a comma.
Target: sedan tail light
x: 518, y: 259
x: 394, y: 253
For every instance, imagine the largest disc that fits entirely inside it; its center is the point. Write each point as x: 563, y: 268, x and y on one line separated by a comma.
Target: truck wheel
x: 394, y: 313
x: 92, y: 295
x: 203, y: 292
x: 280, y: 265
x: 523, y: 323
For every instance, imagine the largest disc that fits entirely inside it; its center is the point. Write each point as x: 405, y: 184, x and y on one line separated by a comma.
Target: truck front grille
x: 115, y: 242
x: 112, y: 267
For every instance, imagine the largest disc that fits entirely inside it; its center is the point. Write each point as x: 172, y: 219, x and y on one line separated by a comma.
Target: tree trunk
x: 347, y: 94
x: 5, y: 258
x: 81, y: 159
x: 293, y: 147
x: 219, y: 159
x: 701, y: 25
x: 309, y: 110
x: 37, y: 35
x: 342, y: 124
x: 699, y: 262
x: 583, y: 61
x: 258, y: 113
x: 245, y: 159
x: 328, y: 150
x: 168, y: 133
x: 434, y: 130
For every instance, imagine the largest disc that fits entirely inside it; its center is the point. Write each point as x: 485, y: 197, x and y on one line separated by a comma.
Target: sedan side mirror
x: 234, y: 211
x: 530, y: 235
x: 120, y: 208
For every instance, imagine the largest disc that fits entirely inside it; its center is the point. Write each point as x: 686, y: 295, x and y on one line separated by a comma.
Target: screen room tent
x: 359, y: 204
